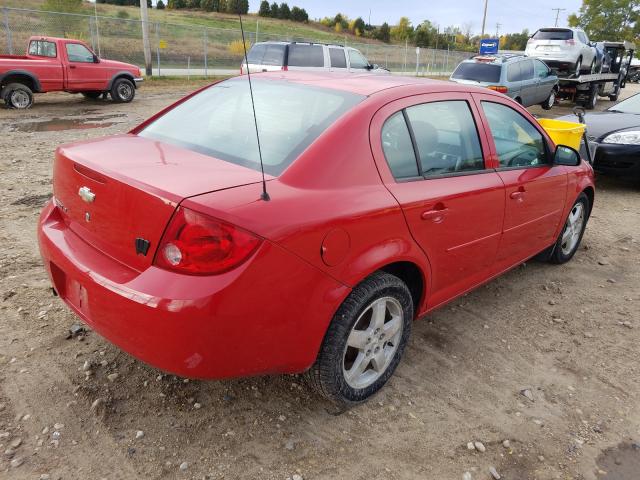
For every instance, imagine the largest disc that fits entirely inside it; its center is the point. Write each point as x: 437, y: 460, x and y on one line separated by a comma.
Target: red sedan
x: 389, y: 196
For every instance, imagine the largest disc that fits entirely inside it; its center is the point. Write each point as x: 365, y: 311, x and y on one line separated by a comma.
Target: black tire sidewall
x: 331, y: 356
x: 114, y: 90
x: 558, y: 256
x: 12, y: 87
x: 545, y: 105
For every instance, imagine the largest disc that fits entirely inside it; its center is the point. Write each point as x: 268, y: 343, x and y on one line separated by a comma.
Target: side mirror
x: 95, y: 58
x: 566, y: 156
x: 371, y: 67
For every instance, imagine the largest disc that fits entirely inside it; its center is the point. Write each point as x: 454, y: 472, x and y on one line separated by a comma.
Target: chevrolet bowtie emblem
x: 86, y: 194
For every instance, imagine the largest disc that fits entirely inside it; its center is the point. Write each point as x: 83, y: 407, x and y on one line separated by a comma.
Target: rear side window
x: 306, y: 55
x: 338, y: 58
x: 526, y: 70
x: 480, y: 72
x: 266, y: 54
x: 553, y: 34
x: 42, y: 48
x: 398, y: 149
x: 513, y: 72
x: 219, y: 121
x: 446, y: 137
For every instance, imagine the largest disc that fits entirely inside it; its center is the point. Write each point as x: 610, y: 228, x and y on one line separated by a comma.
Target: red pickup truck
x: 61, y: 64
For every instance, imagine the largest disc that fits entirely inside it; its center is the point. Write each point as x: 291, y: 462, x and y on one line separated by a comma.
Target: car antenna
x: 265, y: 195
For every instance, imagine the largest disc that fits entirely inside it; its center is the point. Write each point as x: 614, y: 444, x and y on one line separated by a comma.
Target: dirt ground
x: 568, y: 336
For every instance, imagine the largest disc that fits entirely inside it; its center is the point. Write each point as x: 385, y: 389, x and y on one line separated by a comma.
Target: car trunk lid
x: 119, y: 193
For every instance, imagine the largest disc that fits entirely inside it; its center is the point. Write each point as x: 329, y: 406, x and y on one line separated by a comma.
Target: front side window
x: 541, y: 70
x: 398, y: 149
x: 218, y: 122
x: 446, y: 137
x: 306, y: 55
x: 42, y: 48
x: 357, y: 60
x: 338, y: 58
x: 518, y: 142
x: 79, y: 53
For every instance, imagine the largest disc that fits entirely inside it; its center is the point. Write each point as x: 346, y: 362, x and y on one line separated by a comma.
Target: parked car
x: 388, y: 197
x: 566, y: 49
x: 614, y: 138
x: 528, y: 81
x: 603, y: 58
x: 62, y: 64
x: 271, y: 56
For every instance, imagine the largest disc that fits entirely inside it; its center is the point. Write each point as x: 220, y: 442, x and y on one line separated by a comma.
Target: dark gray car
x: 528, y: 81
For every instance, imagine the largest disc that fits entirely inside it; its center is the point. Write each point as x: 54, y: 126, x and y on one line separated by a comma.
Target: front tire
x: 578, y: 67
x: 364, y: 342
x: 17, y: 95
x: 571, y: 235
x: 550, y: 101
x: 123, y: 90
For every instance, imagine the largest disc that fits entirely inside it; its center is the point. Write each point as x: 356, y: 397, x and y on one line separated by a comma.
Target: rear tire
x: 17, y: 95
x: 569, y: 239
x: 364, y: 342
x: 91, y: 95
x: 123, y: 90
x: 550, y: 101
x: 577, y: 69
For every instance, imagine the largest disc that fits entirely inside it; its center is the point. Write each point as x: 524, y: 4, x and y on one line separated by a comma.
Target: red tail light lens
x: 498, y: 88
x: 197, y: 244
x: 570, y: 42
x: 285, y: 68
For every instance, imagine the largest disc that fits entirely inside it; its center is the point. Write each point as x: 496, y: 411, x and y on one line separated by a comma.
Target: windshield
x: 479, y: 72
x: 630, y: 105
x: 219, y: 121
x: 553, y: 34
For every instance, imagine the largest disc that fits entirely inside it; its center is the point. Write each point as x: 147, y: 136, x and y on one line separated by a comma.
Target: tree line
x: 283, y: 12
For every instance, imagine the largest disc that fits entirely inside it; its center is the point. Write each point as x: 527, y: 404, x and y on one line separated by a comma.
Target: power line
x: 558, y: 10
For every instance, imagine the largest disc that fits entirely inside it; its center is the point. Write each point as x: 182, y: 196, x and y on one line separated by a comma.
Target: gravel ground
x: 539, y: 366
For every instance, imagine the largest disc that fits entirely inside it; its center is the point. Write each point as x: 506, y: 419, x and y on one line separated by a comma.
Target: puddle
x: 58, y: 124
x: 620, y: 463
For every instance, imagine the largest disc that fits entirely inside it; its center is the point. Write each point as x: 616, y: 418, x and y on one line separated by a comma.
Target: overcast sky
x: 513, y: 15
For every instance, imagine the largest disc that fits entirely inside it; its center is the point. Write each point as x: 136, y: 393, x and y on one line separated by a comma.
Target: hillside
x: 267, y: 26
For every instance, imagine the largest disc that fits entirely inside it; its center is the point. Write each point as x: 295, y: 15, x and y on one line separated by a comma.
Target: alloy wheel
x: 125, y: 91
x: 372, y: 342
x: 552, y: 99
x: 572, y: 229
x: 19, y: 99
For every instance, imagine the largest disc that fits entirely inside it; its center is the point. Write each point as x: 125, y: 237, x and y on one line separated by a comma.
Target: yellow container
x: 563, y: 133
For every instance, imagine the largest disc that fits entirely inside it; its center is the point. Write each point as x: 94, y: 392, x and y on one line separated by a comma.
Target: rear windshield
x: 219, y: 121
x: 266, y: 54
x: 479, y: 72
x: 553, y: 34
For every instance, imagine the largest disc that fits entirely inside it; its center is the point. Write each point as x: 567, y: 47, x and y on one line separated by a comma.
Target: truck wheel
x: 591, y: 102
x: 364, y: 342
x: 123, y: 90
x: 578, y: 67
x: 91, y: 95
x: 17, y: 95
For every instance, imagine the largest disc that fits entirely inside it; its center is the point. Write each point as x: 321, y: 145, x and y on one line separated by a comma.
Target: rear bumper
x: 618, y: 159
x: 267, y: 316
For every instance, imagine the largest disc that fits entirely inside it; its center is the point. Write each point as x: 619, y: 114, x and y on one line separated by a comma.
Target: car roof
x: 280, y: 42
x: 496, y: 58
x: 367, y: 84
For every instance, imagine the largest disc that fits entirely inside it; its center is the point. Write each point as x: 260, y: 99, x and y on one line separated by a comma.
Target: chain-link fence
x: 190, y: 49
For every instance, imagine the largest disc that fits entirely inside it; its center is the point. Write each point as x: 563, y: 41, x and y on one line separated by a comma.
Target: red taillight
x: 498, y: 88
x: 200, y: 245
x: 571, y: 41
x: 285, y: 68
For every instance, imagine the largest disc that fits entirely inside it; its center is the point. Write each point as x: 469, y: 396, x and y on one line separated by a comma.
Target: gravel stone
x: 184, y: 466
x: 494, y: 473
x: 16, y: 462
x: 479, y: 446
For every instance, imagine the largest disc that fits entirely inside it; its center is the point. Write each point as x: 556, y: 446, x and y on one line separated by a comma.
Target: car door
x: 535, y: 188
x: 83, y: 73
x: 431, y: 157
x: 545, y: 80
x: 337, y: 59
x: 528, y: 84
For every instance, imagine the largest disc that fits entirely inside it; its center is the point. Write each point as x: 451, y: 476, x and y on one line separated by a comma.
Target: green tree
x: 284, y: 11
x: 265, y: 10
x: 210, y: 5
x: 425, y: 34
x: 176, y: 4
x: 514, y: 41
x: 608, y: 19
x: 65, y: 6
x: 358, y: 25
x: 403, y: 30
x: 383, y: 33
x: 193, y: 4
x: 274, y: 10
x: 160, y: 5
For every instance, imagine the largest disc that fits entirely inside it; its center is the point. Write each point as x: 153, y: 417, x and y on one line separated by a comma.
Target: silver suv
x: 270, y: 56
x: 565, y: 49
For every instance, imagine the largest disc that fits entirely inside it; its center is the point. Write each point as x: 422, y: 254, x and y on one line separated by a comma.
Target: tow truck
x: 585, y: 90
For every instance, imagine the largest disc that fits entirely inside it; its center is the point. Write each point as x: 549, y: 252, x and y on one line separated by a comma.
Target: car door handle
x: 518, y: 194
x: 436, y: 215
x: 72, y: 66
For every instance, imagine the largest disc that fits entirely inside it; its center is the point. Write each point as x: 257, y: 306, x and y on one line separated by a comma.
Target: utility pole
x: 369, y: 17
x: 498, y: 25
x: 484, y: 18
x: 558, y: 10
x: 95, y: 15
x: 144, y: 16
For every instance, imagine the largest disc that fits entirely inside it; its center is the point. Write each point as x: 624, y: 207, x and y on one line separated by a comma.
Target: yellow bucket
x: 563, y: 133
